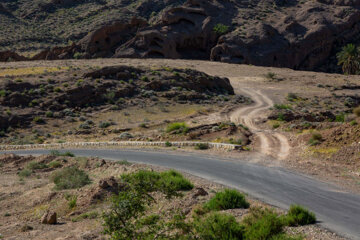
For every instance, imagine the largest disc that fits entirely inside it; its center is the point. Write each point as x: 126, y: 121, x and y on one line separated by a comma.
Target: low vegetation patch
x: 219, y: 226
x: 70, y: 178
x: 357, y: 111
x: 227, y: 199
x: 202, y: 146
x: 61, y: 154
x: 299, y: 216
x: 316, y: 139
x: 177, y: 127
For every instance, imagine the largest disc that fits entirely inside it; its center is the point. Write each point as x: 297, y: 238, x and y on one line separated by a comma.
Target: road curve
x: 336, y: 210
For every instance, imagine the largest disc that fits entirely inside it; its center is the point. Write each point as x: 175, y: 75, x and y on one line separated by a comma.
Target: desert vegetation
x: 129, y: 201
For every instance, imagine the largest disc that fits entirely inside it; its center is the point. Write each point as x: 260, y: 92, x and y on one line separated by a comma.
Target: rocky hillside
x: 296, y: 34
x: 31, y: 25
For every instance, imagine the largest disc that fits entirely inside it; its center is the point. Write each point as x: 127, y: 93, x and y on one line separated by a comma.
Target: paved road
x: 336, y: 210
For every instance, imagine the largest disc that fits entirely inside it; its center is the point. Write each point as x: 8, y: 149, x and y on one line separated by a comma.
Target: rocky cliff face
x: 295, y: 34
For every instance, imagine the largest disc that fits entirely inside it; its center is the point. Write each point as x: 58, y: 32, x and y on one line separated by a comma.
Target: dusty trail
x: 272, y: 143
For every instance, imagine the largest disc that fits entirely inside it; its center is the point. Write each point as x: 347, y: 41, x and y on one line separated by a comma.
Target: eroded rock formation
x: 294, y: 34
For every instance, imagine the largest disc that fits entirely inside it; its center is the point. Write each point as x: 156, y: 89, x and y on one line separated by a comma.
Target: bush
x: 127, y: 219
x: 104, y: 124
x: 174, y: 180
x: 262, y: 224
x: 270, y: 76
x: 219, y: 226
x: 299, y: 216
x: 282, y: 106
x: 36, y: 165
x: 55, y: 164
x: 70, y: 178
x: 202, y: 146
x: 25, y: 173
x: 38, y: 120
x: 179, y: 127
x: 340, y: 118
x: 49, y: 114
x: 227, y: 199
x: 316, y: 139
x: 168, y: 182
x: 221, y: 29
x: 357, y: 111
x: 168, y: 144
x: 72, y: 202
x: 292, y: 97
x: 61, y: 154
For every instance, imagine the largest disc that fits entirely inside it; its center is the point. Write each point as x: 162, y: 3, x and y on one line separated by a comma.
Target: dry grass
x: 324, y: 151
x: 133, y: 116
x: 29, y: 71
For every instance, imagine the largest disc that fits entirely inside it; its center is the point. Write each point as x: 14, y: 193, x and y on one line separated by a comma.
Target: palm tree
x: 349, y: 59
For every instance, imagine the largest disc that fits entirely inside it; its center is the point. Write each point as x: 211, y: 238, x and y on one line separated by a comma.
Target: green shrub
x: 25, y: 173
x: 168, y: 182
x: 221, y: 29
x: 127, y: 219
x: 168, y: 144
x: 282, y: 106
x: 57, y: 89
x: 316, y: 139
x: 227, y: 199
x: 104, y: 124
x: 173, y: 180
x: 270, y: 76
x: 218, y: 226
x: 299, y: 216
x: 72, y: 202
x: 55, y: 164
x: 179, y: 127
x: 144, y: 78
x: 36, y: 165
x: 202, y: 146
x: 2, y: 92
x: 340, y: 118
x: 143, y: 125
x: 276, y: 125
x: 61, y: 154
x: 70, y: 178
x: 49, y: 114
x: 353, y: 123
x: 88, y: 215
x: 235, y: 141
x: 292, y: 97
x: 262, y: 224
x: 38, y: 120
x: 124, y: 162
x: 357, y: 111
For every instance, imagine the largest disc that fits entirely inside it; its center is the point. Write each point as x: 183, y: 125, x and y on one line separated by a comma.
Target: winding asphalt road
x: 336, y: 210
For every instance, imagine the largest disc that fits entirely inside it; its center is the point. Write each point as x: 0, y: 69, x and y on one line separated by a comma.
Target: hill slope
x: 281, y: 33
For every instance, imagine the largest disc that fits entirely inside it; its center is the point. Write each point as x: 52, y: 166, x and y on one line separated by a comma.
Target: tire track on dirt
x: 271, y: 143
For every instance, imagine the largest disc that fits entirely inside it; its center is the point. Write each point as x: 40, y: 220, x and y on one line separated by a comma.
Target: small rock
x: 199, y: 192
x: 26, y: 228
x: 49, y: 218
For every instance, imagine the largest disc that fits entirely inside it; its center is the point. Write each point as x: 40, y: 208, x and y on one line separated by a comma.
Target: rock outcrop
x: 295, y: 34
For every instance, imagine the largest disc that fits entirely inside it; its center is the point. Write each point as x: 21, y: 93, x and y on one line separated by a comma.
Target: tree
x: 349, y: 59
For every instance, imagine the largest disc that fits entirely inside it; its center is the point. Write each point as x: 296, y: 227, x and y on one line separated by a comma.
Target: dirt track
x: 272, y: 143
